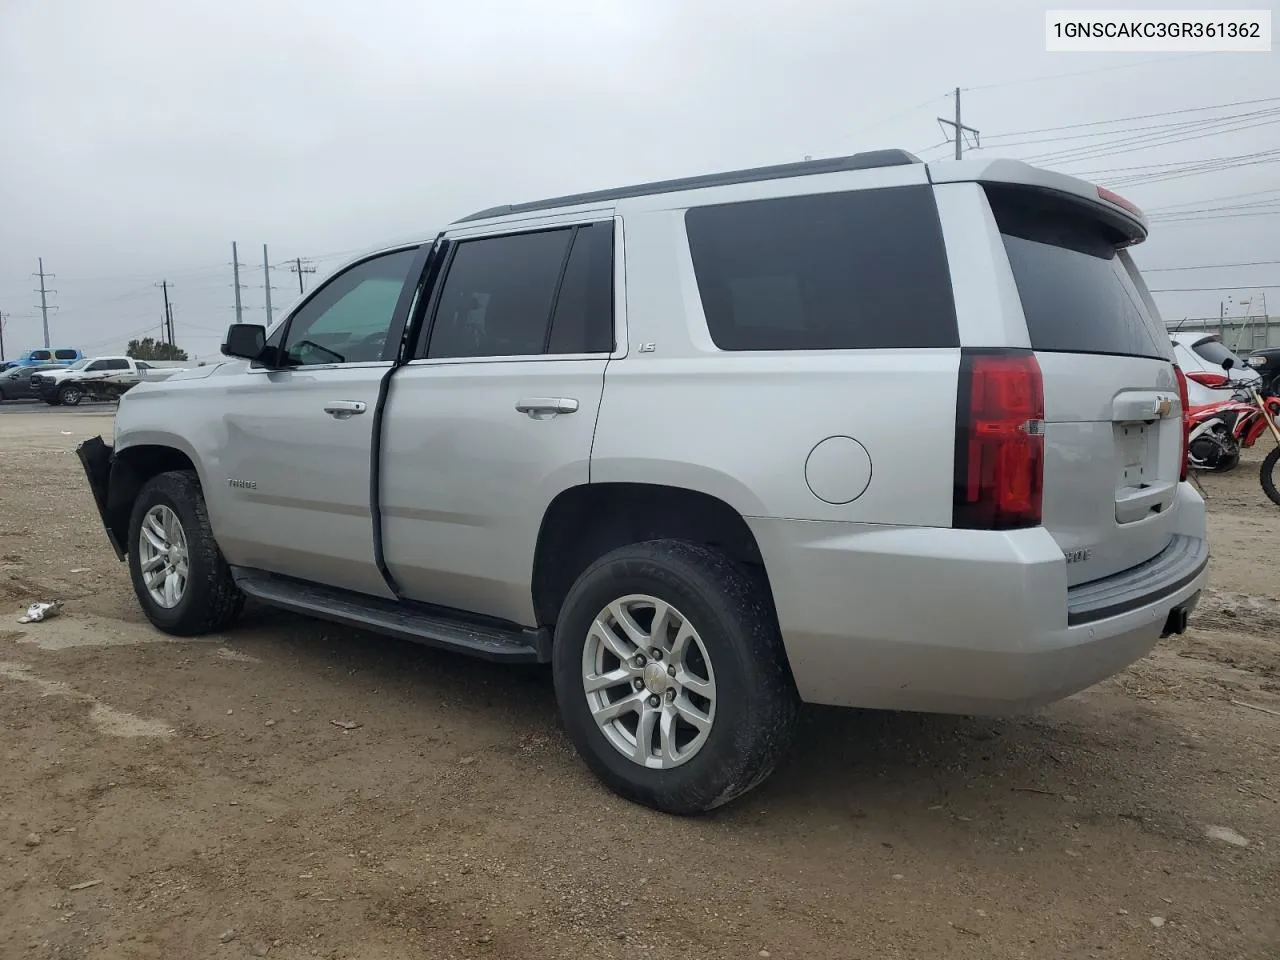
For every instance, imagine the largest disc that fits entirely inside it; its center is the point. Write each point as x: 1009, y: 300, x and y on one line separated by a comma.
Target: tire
x: 754, y: 707
x: 1267, y: 475
x: 208, y: 599
x: 70, y: 395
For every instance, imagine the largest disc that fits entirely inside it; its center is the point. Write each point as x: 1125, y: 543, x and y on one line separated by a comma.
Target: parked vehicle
x: 1248, y: 407
x: 43, y: 356
x: 1200, y: 355
x: 99, y: 378
x: 15, y: 383
x: 631, y: 434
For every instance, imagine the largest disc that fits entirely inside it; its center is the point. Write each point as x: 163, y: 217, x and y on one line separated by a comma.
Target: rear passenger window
x: 834, y: 271
x: 527, y: 294
x: 64, y: 355
x: 583, y: 320
x: 1076, y: 293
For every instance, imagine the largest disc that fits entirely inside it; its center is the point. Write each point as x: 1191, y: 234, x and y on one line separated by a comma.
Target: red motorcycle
x: 1219, y: 431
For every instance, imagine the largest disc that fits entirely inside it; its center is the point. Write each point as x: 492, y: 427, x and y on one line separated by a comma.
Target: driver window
x: 348, y: 319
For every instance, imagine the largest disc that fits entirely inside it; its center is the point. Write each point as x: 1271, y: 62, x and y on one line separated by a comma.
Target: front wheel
x: 1267, y: 475
x: 70, y: 395
x: 179, y: 575
x: 671, y: 676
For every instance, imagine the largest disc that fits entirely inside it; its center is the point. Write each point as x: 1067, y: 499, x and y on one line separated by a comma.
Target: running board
x: 447, y: 630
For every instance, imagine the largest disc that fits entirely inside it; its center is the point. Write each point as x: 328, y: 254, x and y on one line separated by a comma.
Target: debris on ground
x: 1226, y: 835
x: 346, y: 724
x: 41, y: 611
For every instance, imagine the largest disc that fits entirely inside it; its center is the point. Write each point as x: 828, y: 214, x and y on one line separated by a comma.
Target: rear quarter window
x: 834, y: 271
x: 1076, y: 292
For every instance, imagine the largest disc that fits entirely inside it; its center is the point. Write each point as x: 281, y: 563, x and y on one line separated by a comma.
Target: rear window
x: 1076, y: 293
x: 1215, y: 351
x: 832, y: 271
x: 64, y: 354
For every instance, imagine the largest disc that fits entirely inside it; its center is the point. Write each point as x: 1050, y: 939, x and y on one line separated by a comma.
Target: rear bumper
x: 961, y: 621
x: 95, y: 457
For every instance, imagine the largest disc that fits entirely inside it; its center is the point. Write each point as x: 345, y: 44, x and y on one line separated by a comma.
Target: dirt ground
x: 163, y: 799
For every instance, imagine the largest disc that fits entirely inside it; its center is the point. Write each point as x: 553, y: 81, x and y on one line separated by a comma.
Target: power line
x: 959, y: 128
x: 1214, y: 266
x: 44, y: 304
x: 1081, y: 73
x: 1139, y: 116
x: 1128, y: 144
x: 299, y: 269
x: 1157, y: 131
x: 1231, y: 196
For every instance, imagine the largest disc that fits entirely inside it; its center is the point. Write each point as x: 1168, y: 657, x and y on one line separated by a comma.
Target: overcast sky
x: 138, y: 139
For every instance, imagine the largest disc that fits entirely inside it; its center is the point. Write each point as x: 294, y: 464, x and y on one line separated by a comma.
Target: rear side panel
x: 1045, y: 274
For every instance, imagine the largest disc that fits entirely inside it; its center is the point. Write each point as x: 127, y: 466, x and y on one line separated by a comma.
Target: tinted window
x: 39, y: 354
x: 498, y: 295
x: 96, y: 365
x: 1076, y: 293
x: 115, y: 364
x: 826, y: 272
x: 348, y: 319
x: 583, y: 320
x: 142, y: 365
x: 1215, y: 351
x: 64, y: 354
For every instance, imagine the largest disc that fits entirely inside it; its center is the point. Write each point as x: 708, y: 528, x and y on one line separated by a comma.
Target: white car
x: 1200, y: 353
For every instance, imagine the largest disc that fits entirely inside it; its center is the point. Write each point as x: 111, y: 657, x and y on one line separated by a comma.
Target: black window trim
x: 423, y: 322
x: 391, y: 349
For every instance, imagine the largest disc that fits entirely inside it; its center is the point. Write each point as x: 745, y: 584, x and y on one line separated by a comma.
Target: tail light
x: 999, y: 471
x: 1186, y: 419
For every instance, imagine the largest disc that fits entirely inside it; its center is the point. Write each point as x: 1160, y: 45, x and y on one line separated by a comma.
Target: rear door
x: 494, y: 417
x: 1113, y: 426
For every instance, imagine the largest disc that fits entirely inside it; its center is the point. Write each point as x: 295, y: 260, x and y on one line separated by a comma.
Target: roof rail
x: 804, y: 168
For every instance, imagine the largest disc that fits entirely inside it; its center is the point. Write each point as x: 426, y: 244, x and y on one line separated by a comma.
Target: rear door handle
x: 344, y: 409
x: 540, y: 408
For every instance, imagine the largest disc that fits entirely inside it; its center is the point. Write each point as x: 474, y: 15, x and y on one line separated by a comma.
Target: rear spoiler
x: 1112, y: 208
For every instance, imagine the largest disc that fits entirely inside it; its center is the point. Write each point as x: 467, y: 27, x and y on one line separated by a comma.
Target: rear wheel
x: 1267, y: 475
x: 70, y: 394
x: 671, y: 676
x: 179, y: 575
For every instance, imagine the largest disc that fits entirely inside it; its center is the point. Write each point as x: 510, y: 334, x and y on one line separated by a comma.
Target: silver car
x: 862, y: 431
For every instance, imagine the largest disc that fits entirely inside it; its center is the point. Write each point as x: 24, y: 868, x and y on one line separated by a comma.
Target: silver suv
x: 860, y: 431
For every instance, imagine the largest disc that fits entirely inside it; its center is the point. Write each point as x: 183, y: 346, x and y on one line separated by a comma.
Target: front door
x: 293, y: 458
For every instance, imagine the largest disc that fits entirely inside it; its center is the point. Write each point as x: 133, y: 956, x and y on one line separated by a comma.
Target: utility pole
x: 44, y: 302
x: 299, y: 269
x: 235, y: 268
x: 1, y: 338
x: 960, y: 128
x: 266, y: 280
x: 168, y: 313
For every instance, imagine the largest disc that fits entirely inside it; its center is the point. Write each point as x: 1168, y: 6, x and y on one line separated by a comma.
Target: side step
x: 489, y: 640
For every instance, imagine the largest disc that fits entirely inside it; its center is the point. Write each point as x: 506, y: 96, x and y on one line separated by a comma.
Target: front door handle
x: 541, y: 408
x: 344, y: 409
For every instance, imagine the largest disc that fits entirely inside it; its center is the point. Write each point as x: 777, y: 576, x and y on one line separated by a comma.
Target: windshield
x: 78, y: 365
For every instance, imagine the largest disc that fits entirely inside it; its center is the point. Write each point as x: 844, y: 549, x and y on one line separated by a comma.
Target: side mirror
x: 245, y: 340
x: 1228, y: 363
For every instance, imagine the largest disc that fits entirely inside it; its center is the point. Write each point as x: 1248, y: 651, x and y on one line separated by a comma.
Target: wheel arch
x: 134, y: 466
x: 585, y: 522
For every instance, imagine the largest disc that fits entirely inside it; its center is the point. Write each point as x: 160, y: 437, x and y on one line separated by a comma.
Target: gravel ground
x: 165, y: 799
